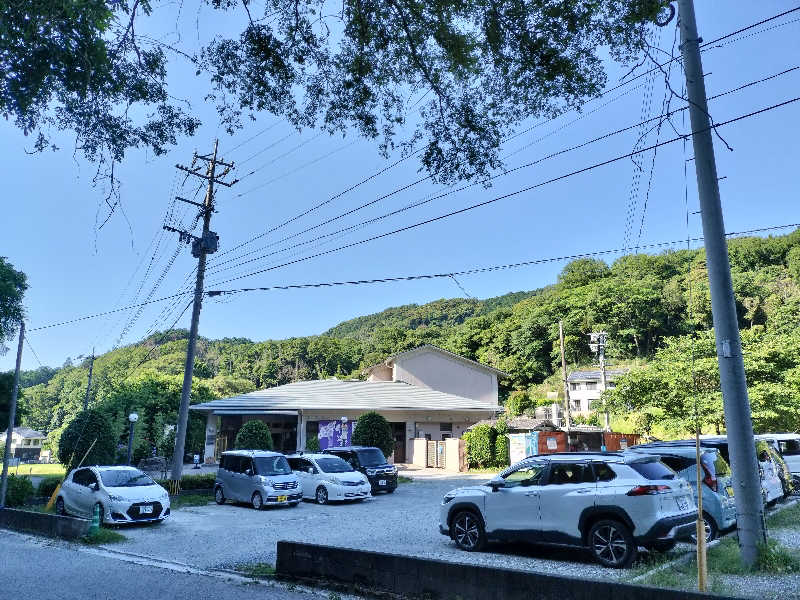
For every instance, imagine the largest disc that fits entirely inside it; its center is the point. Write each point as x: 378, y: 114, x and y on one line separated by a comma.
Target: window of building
x: 446, y: 427
x: 547, y: 413
x: 574, y: 386
x: 576, y: 404
x: 591, y: 385
x: 611, y: 385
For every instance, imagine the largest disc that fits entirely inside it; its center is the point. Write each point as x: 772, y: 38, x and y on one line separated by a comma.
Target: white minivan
x: 326, y: 478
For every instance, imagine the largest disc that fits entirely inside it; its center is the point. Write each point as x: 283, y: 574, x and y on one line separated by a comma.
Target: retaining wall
x: 359, y: 570
x: 69, y: 528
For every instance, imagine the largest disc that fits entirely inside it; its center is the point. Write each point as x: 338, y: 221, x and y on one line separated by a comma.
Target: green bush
x: 479, y: 445
x: 48, y: 485
x: 502, y: 457
x: 373, y: 430
x: 89, y: 429
x: 254, y: 435
x: 312, y: 444
x: 19, y: 490
x: 518, y: 402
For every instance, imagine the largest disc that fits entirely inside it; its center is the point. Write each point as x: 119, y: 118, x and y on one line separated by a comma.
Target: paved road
x: 50, y: 570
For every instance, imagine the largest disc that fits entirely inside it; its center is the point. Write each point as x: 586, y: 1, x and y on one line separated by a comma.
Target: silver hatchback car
x: 257, y: 477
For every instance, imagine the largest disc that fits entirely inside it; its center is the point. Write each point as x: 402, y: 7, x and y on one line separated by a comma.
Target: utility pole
x: 567, y: 419
x: 201, y: 247
x: 89, y: 383
x: 738, y: 419
x: 12, y: 416
x: 598, y: 345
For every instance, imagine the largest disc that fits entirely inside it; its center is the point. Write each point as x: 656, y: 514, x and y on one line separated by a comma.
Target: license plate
x: 281, y: 498
x: 145, y: 510
x: 683, y: 503
x: 729, y: 489
x: 381, y: 482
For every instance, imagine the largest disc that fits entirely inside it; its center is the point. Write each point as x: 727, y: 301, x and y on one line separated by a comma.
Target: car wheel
x: 60, y: 508
x: 663, y: 545
x: 467, y: 531
x: 322, y: 495
x: 612, y: 544
x: 712, y: 531
x: 219, y: 495
x: 257, y: 501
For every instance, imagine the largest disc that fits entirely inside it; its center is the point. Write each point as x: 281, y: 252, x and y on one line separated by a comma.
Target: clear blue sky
x: 50, y: 206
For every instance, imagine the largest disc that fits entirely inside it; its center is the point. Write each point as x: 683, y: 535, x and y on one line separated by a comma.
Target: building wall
x: 380, y: 373
x: 441, y: 373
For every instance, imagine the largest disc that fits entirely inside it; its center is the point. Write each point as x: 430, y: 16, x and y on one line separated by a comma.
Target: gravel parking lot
x: 405, y: 522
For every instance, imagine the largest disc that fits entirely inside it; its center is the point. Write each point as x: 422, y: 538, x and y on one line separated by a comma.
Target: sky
x: 50, y: 206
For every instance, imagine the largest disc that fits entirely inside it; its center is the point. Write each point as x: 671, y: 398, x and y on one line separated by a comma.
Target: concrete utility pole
x: 202, y: 246
x: 89, y: 383
x: 567, y: 419
x: 598, y: 345
x: 12, y: 415
x: 738, y: 419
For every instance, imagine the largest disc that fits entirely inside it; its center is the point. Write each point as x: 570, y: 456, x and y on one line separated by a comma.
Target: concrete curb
x: 68, y: 528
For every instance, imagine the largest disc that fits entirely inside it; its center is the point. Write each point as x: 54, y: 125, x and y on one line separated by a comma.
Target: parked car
x: 608, y: 503
x: 327, y: 478
x: 719, y: 508
x: 123, y: 494
x: 787, y: 446
x: 371, y: 462
x: 258, y: 477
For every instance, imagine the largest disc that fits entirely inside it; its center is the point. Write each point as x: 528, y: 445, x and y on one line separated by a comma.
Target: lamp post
x: 133, y: 417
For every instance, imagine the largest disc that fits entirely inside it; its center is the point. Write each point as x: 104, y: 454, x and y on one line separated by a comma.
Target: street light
x: 133, y: 417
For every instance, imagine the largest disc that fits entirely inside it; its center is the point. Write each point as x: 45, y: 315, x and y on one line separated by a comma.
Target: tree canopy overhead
x: 464, y: 73
x: 13, y: 284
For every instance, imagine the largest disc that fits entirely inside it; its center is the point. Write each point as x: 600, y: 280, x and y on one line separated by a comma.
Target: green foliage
x: 479, y: 446
x: 501, y: 451
x: 88, y: 438
x: 192, y: 482
x: 312, y: 444
x: 19, y: 490
x: 373, y: 429
x: 6, y: 391
x: 48, y: 485
x: 583, y: 271
x: 257, y: 570
x: 189, y: 500
x: 102, y: 537
x: 13, y: 283
x: 773, y: 557
x: 254, y: 435
x: 518, y: 402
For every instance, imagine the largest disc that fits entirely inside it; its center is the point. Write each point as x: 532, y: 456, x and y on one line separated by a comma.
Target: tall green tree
x: 13, y: 284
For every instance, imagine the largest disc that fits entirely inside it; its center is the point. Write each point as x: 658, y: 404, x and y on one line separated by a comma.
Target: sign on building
x: 335, y: 433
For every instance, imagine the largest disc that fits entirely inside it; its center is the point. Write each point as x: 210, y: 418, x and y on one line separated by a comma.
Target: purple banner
x: 335, y: 433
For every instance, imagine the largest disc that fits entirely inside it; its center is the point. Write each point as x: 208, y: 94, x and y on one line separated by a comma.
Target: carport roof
x: 337, y: 394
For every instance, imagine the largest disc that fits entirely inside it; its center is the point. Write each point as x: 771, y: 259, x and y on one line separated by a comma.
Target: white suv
x: 609, y: 503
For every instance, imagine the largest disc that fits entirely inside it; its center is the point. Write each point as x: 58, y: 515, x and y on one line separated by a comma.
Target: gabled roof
x: 431, y: 348
x: 28, y: 433
x: 595, y: 374
x: 336, y: 394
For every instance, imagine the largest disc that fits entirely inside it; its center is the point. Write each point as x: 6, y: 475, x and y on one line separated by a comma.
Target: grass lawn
x: 404, y: 479
x: 258, y: 570
x: 178, y: 502
x: 103, y: 536
x: 38, y: 469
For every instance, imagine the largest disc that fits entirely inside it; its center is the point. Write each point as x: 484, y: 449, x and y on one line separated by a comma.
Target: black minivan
x: 371, y: 462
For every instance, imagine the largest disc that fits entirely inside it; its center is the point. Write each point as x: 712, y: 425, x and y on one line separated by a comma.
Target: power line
x: 215, y: 268
x: 270, y: 146
x: 510, y: 194
x: 251, y: 138
x: 453, y: 274
x: 30, y: 347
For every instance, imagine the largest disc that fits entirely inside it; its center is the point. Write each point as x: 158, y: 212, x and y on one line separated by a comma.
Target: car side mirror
x: 496, y: 483
x: 94, y: 486
x: 249, y: 472
x: 310, y: 470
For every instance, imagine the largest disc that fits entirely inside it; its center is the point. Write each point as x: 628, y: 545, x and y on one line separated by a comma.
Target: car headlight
x: 447, y: 498
x: 266, y: 481
x: 114, y: 498
x: 394, y: 470
x: 371, y: 471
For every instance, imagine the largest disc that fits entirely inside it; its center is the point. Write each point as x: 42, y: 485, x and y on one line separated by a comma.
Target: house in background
x: 426, y: 393
x: 26, y: 443
x: 585, y: 386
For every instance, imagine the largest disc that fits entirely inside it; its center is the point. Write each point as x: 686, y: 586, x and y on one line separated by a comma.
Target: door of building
x: 399, y: 435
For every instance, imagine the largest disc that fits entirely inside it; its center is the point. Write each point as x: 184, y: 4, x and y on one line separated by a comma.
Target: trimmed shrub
x: 254, y: 435
x: 89, y: 429
x: 312, y: 444
x: 518, y: 402
x: 502, y: 457
x: 48, y: 485
x: 19, y: 490
x: 373, y: 430
x: 479, y: 444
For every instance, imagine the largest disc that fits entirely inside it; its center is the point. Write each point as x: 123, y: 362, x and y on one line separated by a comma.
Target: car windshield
x: 272, y: 465
x: 125, y: 478
x: 371, y: 457
x: 333, y: 464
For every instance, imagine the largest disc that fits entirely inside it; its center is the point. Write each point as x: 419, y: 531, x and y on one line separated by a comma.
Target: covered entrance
x: 399, y: 436
x: 282, y: 426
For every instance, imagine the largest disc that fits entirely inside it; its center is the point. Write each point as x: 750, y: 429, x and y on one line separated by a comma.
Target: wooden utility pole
x: 201, y: 247
x: 738, y: 418
x: 12, y: 415
x: 89, y: 383
x: 567, y: 419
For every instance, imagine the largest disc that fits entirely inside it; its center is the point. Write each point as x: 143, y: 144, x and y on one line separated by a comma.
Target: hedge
x: 479, y: 445
x: 254, y: 435
x: 502, y: 457
x: 19, y: 490
x: 373, y: 429
x: 48, y: 485
x: 312, y: 444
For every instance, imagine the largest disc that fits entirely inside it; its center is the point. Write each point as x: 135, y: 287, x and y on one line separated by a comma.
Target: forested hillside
x: 656, y: 309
